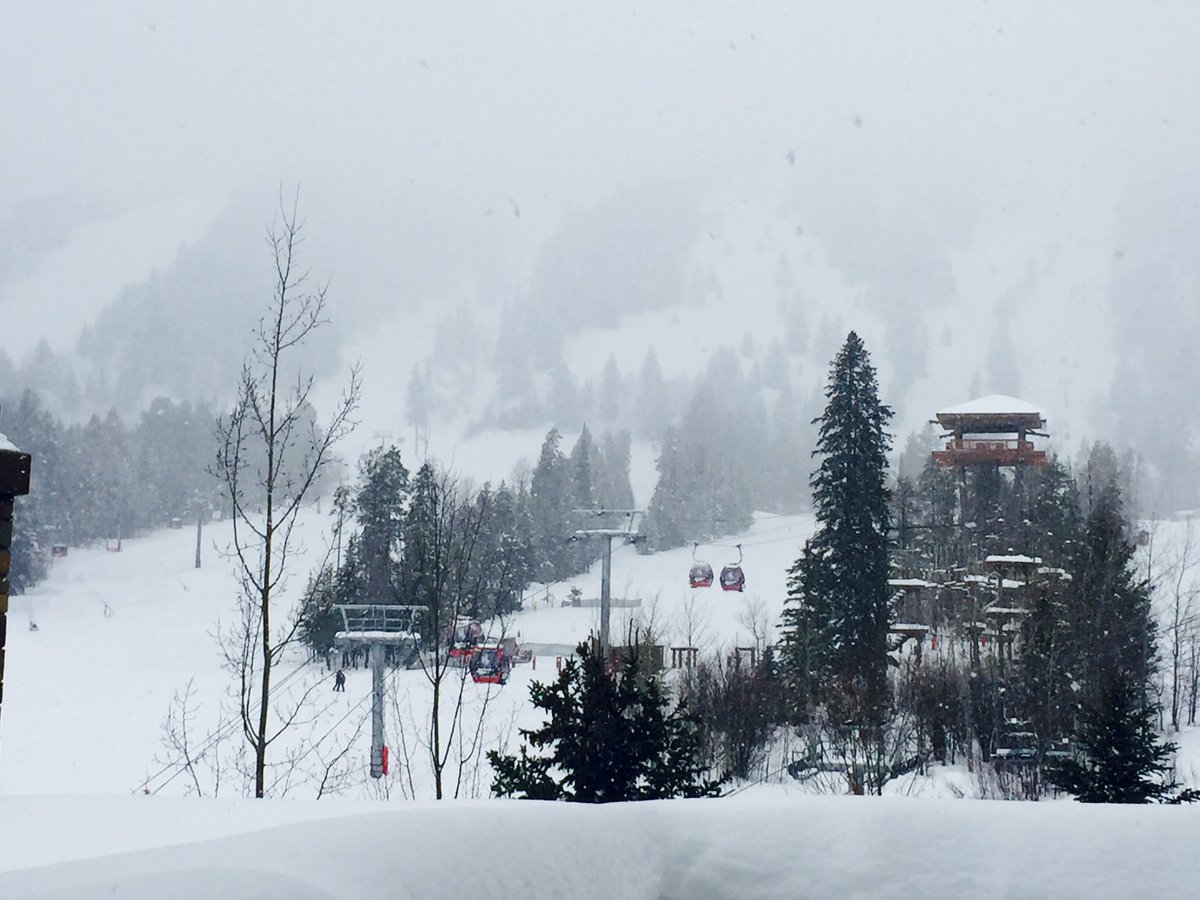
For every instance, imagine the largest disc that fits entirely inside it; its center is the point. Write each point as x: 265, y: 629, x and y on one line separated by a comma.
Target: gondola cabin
x: 733, y: 578
x: 490, y: 664
x: 700, y: 575
x: 461, y: 640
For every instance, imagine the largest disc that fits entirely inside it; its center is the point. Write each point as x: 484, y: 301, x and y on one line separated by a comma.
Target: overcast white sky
x: 454, y: 137
x: 567, y: 100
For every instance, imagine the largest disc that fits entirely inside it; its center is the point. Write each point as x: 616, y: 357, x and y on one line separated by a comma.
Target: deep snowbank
x: 766, y: 843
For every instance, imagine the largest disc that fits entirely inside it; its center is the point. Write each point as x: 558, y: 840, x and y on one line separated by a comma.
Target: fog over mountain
x: 1001, y: 198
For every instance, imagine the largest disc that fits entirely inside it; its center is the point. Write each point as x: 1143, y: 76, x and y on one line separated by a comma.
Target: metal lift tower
x: 626, y: 529
x: 373, y: 627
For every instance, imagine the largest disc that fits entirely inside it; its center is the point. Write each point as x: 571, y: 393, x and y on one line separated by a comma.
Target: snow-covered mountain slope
x: 65, y: 288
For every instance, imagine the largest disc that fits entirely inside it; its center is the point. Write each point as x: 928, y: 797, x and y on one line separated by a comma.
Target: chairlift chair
x: 1016, y: 742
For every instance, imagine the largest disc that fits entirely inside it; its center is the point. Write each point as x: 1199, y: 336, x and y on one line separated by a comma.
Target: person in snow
x: 339, y: 681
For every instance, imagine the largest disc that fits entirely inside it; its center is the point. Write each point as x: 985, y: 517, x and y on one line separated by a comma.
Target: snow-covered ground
x: 770, y: 843
x: 91, y: 805
x: 119, y: 634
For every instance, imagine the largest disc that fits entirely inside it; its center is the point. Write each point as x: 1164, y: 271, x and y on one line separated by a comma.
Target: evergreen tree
x: 611, y: 471
x: 610, y: 737
x: 582, y: 460
x: 563, y: 399
x: 422, y: 570
x: 651, y: 411
x: 1053, y: 520
x: 611, y: 392
x: 703, y: 490
x: 319, y: 621
x: 1119, y: 756
x: 380, y: 506
x: 1048, y: 656
x: 551, y: 499
x: 582, y: 464
x: 838, y: 616
x: 667, y: 519
x: 789, y: 482
x: 504, y: 557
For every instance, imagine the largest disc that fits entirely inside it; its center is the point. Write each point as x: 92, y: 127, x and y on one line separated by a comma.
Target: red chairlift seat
x: 700, y: 575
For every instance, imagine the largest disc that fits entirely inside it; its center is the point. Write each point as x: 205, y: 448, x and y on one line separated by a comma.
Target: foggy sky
x: 931, y: 147
x: 1038, y: 107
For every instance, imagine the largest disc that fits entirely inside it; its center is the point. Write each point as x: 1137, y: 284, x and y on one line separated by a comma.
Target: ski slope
x: 120, y: 634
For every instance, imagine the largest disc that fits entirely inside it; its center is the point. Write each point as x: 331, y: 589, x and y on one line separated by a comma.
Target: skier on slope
x: 339, y: 681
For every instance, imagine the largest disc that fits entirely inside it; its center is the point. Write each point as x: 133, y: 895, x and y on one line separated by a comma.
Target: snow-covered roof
x: 1016, y: 559
x: 6, y: 444
x: 993, y: 404
x: 910, y: 582
x: 381, y: 636
x: 1052, y: 570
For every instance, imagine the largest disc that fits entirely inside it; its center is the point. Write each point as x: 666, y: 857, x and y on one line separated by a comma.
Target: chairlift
x: 1016, y: 742
x: 701, y: 573
x: 732, y: 576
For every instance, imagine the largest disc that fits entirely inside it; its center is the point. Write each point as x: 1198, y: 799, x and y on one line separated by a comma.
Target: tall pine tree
x: 381, y: 501
x: 1119, y: 758
x: 835, y: 640
x: 551, y: 499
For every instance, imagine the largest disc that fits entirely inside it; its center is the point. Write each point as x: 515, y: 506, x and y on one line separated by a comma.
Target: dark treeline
x: 105, y: 478
x: 428, y: 539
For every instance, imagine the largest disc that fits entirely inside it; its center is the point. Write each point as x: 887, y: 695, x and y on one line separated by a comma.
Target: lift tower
x: 373, y: 627
x: 624, y: 526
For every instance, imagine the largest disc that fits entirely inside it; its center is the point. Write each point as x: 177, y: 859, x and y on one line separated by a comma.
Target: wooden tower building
x: 991, y: 430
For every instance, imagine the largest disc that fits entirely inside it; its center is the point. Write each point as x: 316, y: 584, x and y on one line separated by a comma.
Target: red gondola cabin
x: 733, y: 579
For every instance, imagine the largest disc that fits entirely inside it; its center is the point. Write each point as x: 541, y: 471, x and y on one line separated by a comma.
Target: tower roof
x: 993, y: 413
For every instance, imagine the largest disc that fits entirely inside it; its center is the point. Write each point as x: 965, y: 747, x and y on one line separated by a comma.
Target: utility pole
x: 14, y: 482
x: 628, y: 533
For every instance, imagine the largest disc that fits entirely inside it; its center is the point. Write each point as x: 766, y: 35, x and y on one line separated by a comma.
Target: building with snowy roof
x: 991, y: 430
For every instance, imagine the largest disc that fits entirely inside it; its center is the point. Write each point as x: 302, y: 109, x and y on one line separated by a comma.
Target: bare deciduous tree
x: 270, y: 457
x: 1180, y: 586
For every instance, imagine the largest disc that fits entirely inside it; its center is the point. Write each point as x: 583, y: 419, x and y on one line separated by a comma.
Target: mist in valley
x: 625, y: 215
